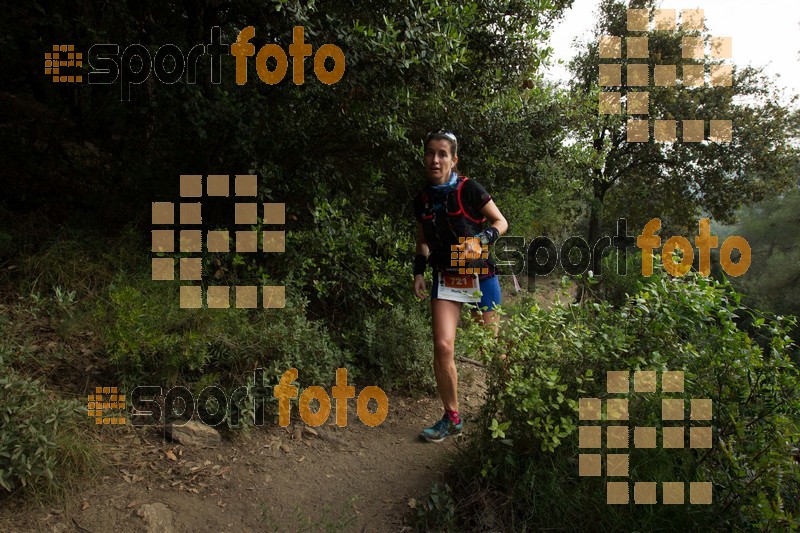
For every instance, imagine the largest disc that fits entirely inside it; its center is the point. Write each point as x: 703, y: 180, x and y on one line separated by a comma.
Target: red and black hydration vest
x: 444, y: 225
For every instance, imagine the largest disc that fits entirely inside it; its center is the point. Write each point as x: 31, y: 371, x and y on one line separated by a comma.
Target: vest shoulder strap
x: 461, y: 209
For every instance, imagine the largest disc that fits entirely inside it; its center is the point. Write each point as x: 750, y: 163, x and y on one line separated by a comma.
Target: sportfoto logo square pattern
x: 619, y: 437
x: 692, y: 73
x: 459, y: 257
x: 106, y: 399
x: 191, y: 241
x: 63, y: 56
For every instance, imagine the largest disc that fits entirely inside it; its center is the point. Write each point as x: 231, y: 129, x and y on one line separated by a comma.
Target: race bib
x: 458, y: 287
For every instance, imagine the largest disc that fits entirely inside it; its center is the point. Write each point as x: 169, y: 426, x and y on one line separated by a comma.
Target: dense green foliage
x: 82, y: 167
x: 773, y: 230
x: 409, y: 64
x: 396, y: 342
x: 345, y: 158
x: 521, y: 470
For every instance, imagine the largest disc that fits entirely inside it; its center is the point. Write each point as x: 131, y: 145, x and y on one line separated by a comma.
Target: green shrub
x: 521, y: 470
x: 618, y: 279
x: 349, y: 262
x: 438, y: 511
x: 146, y: 335
x: 30, y: 421
x: 396, y: 343
x: 150, y: 340
x: 44, y: 449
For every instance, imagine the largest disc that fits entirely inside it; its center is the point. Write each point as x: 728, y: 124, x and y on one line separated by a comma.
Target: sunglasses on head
x: 444, y: 133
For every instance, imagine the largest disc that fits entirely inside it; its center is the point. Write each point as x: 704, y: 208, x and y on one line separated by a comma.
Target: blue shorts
x: 490, y: 291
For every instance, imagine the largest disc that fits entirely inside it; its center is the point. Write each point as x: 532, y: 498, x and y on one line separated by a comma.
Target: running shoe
x: 441, y: 429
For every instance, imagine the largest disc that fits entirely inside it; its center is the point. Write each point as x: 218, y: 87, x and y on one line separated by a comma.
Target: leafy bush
x: 29, y: 427
x: 438, y: 511
x: 44, y: 449
x: 150, y: 339
x: 618, y: 278
x: 396, y: 343
x: 773, y: 231
x: 349, y: 263
x: 521, y: 471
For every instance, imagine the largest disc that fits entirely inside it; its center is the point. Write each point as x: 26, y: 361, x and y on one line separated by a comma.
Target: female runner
x: 453, y: 213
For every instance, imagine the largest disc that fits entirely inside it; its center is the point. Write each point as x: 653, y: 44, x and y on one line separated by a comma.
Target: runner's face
x: 438, y: 160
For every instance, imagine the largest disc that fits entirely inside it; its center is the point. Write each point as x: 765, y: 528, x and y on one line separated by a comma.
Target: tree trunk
x: 599, y: 189
x: 594, y: 222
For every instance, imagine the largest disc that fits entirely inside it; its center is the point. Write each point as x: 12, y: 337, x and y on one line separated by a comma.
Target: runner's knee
x: 444, y: 347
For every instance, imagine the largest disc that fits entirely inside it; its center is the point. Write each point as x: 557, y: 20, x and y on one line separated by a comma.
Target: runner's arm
x: 423, y: 250
x: 422, y: 245
x: 495, y: 217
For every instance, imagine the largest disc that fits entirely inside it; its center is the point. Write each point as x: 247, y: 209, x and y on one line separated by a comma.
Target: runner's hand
x: 419, y: 286
x: 471, y: 247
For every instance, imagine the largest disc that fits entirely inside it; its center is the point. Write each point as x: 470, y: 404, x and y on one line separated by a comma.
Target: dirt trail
x: 356, y: 478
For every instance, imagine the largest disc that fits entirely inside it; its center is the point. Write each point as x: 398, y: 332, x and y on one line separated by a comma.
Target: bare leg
x: 445, y: 320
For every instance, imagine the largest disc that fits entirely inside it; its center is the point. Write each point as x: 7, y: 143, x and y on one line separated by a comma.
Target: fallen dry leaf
x: 170, y: 455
